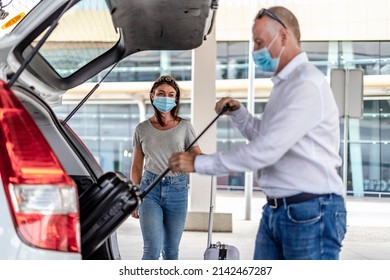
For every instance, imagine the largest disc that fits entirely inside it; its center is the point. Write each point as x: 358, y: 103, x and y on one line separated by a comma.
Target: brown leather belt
x: 298, y: 198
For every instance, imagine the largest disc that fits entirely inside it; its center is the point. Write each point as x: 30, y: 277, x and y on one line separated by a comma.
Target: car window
x: 12, y: 12
x: 84, y: 33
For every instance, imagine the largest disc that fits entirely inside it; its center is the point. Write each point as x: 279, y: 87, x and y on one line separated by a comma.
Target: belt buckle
x: 275, y: 204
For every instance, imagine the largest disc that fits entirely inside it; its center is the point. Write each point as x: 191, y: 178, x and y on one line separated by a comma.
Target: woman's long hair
x: 169, y: 80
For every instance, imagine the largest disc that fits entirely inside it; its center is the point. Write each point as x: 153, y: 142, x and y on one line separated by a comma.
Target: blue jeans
x: 162, y: 216
x: 310, y: 230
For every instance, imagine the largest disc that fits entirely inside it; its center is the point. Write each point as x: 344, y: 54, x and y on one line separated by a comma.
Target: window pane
x: 107, y: 131
x: 324, y: 55
x: 74, y: 43
x: 384, y: 58
x: 232, y: 60
x: 361, y: 55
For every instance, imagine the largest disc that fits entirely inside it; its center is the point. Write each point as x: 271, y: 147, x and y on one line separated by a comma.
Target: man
x: 294, y: 145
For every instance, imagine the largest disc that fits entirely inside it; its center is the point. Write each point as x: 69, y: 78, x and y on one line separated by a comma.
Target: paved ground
x: 367, y: 238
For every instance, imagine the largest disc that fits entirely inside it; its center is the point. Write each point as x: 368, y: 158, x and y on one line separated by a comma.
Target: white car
x: 45, y: 167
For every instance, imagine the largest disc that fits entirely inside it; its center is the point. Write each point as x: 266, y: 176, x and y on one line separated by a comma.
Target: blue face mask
x: 264, y: 60
x: 164, y: 104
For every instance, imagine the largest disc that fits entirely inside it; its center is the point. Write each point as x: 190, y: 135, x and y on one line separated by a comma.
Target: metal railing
x: 369, y: 194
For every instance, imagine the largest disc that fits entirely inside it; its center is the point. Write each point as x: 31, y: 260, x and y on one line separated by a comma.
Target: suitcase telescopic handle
x: 154, y: 183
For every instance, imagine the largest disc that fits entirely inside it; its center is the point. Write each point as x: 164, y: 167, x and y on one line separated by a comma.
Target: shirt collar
x: 290, y: 67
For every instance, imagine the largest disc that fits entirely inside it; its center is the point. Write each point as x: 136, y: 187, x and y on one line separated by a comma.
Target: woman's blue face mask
x: 164, y: 104
x: 264, y: 60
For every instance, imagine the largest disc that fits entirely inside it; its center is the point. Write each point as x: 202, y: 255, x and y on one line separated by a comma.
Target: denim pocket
x: 180, y: 183
x: 305, y: 212
x: 145, y: 182
x: 341, y: 225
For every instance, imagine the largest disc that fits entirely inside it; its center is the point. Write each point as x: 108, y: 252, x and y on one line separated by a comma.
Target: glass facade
x: 232, y: 60
x: 369, y: 151
x: 229, y: 137
x: 107, y: 129
x: 149, y: 65
x: 371, y: 56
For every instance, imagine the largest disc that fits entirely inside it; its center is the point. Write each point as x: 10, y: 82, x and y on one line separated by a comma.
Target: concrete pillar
x: 202, y: 111
x: 165, y: 62
x: 142, y: 109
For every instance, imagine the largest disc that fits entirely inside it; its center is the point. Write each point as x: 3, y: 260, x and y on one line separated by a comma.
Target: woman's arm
x: 136, y: 171
x: 137, y: 166
x: 195, y: 150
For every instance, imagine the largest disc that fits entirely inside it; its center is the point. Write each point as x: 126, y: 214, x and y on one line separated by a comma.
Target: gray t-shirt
x: 159, y: 145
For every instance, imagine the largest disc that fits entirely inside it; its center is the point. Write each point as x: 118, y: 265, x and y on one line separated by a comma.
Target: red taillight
x: 42, y: 196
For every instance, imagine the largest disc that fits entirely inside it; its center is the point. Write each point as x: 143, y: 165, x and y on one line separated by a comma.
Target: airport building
x: 336, y: 34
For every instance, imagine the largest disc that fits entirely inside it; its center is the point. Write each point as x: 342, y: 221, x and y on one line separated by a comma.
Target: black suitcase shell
x: 104, y: 207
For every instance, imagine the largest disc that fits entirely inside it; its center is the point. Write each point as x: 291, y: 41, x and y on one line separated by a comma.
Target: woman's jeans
x: 162, y: 216
x: 310, y: 230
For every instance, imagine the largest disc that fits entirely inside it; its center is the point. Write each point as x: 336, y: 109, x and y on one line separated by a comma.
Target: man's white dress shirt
x: 295, y: 143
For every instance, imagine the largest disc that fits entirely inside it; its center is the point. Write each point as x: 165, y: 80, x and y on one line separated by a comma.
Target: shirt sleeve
x: 190, y: 136
x: 291, y: 117
x: 136, y: 139
x: 245, y: 123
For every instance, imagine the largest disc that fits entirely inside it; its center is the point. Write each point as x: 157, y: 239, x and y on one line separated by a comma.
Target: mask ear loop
x: 273, y: 41
x: 281, y: 51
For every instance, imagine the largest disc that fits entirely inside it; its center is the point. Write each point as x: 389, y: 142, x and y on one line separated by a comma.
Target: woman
x: 163, y: 212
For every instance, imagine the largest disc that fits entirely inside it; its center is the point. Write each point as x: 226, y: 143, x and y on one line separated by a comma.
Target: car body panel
x: 79, y: 164
x: 164, y: 18
x: 13, y: 248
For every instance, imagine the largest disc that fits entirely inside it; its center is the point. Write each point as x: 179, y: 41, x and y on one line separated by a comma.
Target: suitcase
x: 104, y: 207
x: 218, y: 250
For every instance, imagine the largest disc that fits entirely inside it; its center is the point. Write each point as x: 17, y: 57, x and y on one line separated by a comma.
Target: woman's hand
x: 135, y: 214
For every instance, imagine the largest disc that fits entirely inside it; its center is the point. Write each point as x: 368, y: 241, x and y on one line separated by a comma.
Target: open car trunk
x: 88, y: 36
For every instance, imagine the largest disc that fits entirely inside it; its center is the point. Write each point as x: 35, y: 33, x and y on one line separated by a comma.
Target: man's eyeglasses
x: 263, y: 12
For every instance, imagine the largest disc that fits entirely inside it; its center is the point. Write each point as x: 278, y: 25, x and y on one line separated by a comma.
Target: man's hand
x: 182, y: 162
x: 234, y: 105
